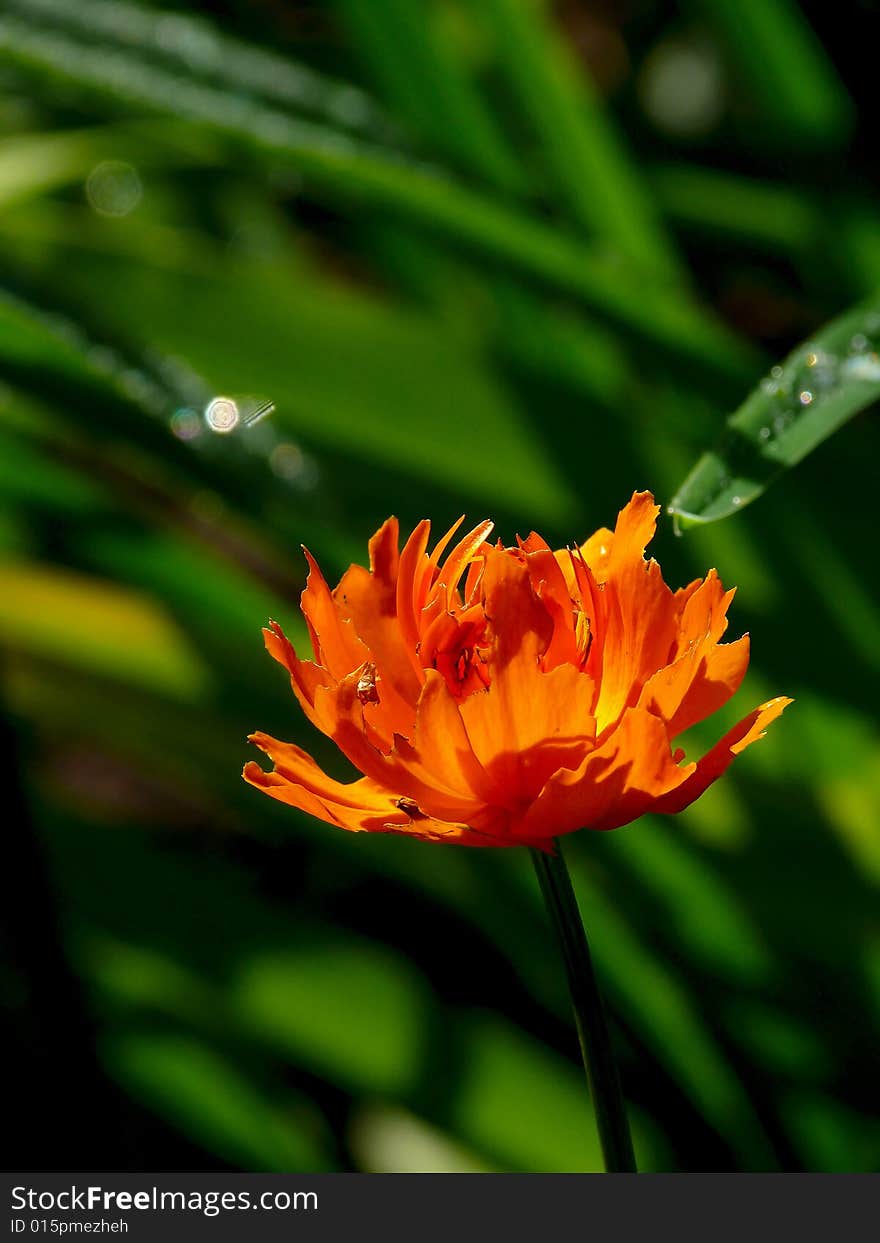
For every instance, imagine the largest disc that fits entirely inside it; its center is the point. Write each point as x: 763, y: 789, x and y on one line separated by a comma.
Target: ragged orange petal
x: 361, y: 806
x: 617, y: 782
x: 722, y: 755
x: 334, y: 641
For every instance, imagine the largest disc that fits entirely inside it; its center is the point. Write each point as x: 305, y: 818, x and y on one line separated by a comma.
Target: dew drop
x: 805, y: 397
x: 863, y: 367
x: 859, y: 343
x: 825, y: 375
x: 765, y: 433
x: 222, y: 415
x: 776, y: 372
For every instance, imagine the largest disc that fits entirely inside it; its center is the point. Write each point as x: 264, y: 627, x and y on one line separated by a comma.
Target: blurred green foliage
x: 510, y: 257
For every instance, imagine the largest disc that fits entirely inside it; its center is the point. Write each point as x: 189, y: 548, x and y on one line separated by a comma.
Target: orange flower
x: 503, y: 696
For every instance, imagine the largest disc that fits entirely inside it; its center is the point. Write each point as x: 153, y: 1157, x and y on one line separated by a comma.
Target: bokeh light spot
x: 222, y: 415
x: 113, y: 188
x: 186, y: 424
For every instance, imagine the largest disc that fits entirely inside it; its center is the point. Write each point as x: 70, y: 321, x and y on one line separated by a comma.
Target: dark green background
x: 498, y: 257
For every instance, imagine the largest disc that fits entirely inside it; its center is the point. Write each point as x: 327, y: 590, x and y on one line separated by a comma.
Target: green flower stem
x: 589, y: 1013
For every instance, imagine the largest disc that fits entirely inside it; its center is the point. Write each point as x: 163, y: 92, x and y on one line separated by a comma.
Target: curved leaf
x: 823, y: 383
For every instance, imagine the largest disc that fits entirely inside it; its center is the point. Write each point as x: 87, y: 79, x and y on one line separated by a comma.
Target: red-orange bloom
x: 502, y: 696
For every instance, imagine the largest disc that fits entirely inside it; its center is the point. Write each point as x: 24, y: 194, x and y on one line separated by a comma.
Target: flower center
x: 457, y: 648
x: 464, y: 668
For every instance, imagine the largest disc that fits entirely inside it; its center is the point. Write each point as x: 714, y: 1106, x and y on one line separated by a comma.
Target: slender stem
x: 589, y: 1013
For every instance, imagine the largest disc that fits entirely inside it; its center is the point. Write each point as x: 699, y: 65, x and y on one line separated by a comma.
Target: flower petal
x: 640, y: 625
x: 444, y: 794
x: 299, y: 781
x: 466, y: 551
x: 334, y: 641
x: 305, y: 676
x: 722, y: 755
x: 441, y: 744
x: 361, y: 806
x: 409, y: 594
x: 696, y: 685
x: 550, y: 586
x: 368, y: 599
x: 528, y: 723
x: 616, y: 783
x: 705, y: 673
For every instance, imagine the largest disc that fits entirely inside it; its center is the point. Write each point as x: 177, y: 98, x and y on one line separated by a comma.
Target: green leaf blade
x: 822, y: 384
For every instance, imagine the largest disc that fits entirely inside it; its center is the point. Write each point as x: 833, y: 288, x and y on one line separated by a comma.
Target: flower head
x: 498, y: 696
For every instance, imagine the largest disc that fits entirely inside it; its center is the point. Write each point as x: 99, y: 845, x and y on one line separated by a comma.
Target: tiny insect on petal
x: 367, y: 691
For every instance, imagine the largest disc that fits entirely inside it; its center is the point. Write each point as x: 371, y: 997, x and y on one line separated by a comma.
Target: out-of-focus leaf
x: 49, y: 353
x: 830, y: 1136
x: 845, y: 591
x: 343, y: 1008
x: 525, y: 1105
x: 197, y: 47
x: 857, y: 240
x: 669, y: 1024
x: 655, y: 1005
x: 350, y: 1010
x: 712, y: 203
x: 793, y: 77
x: 851, y: 805
x: 250, y: 1126
x: 219, y: 597
x: 139, y: 978
x: 510, y: 1089
x: 428, y: 82
x: 700, y: 911
x: 420, y: 75
x: 776, y: 219
x: 595, y: 180
x: 823, y: 383
x: 29, y: 479
x: 355, y: 173
x: 402, y: 393
x: 562, y: 345
x: 123, y: 401
x: 777, y: 1041
x: 92, y: 624
x: 31, y: 164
